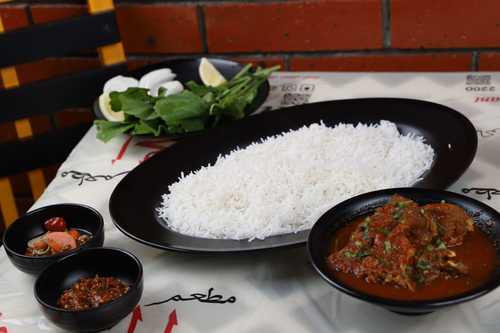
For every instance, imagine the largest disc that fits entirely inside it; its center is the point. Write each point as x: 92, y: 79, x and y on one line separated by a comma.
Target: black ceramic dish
x: 106, y: 262
x: 321, y: 235
x: 30, y: 226
x: 139, y: 193
x: 187, y: 70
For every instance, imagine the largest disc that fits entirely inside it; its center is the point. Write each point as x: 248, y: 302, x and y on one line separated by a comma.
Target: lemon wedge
x: 107, y: 112
x: 209, y: 75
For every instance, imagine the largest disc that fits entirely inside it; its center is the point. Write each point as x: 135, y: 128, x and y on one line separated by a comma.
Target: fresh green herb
x: 349, y: 254
x: 440, y: 244
x: 362, y: 254
x: 423, y: 264
x: 356, y: 255
x: 385, y: 231
x: 441, y: 229
x: 429, y: 247
x: 196, y: 108
x: 397, y: 214
x: 387, y: 246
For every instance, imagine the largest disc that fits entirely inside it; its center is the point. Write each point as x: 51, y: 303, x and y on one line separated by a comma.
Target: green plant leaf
x: 106, y: 130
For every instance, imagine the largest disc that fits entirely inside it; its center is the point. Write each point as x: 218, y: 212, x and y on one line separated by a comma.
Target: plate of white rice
x: 263, y: 182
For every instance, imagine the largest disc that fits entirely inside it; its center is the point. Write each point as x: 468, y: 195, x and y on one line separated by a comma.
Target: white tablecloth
x: 276, y: 291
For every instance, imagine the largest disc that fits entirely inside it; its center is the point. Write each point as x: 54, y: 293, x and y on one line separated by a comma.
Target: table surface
x: 275, y: 291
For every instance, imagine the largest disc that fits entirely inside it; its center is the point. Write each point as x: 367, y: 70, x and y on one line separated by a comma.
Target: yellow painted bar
x: 7, y: 202
x: 99, y: 6
x: 112, y: 54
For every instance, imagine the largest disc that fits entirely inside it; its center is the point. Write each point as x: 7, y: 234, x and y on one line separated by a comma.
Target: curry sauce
x: 409, y: 252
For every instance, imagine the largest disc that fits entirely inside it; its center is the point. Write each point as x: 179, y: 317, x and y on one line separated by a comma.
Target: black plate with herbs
x: 193, y: 115
x: 135, y: 199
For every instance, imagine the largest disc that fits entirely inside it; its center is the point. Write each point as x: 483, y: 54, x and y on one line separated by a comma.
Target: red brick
x: 52, y: 67
x: 159, y: 28
x: 134, y: 64
x: 445, y: 23
x: 385, y: 63
x: 294, y: 26
x: 49, y: 13
x: 489, y: 61
x: 13, y: 17
x: 261, y: 61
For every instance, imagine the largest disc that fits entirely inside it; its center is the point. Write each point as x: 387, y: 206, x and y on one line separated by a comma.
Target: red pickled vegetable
x: 74, y: 233
x: 55, y: 224
x: 60, y: 241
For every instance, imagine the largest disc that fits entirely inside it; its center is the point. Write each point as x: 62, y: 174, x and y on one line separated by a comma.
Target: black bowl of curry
x: 409, y: 250
x: 90, y: 290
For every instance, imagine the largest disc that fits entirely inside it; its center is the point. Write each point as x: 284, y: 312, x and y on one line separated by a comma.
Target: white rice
x: 285, y: 182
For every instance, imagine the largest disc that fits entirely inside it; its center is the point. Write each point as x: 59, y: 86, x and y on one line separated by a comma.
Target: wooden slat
x: 7, y: 202
x: 36, y: 152
x: 58, y: 38
x: 24, y: 130
x: 113, y: 53
x: 43, y: 97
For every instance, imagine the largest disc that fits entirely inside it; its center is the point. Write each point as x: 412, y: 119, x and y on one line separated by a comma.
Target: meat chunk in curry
x: 405, y: 244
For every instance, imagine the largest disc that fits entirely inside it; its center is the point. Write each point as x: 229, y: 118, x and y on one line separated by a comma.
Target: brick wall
x: 335, y: 35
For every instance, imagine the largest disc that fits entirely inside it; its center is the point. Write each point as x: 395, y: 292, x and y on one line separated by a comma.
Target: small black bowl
x: 320, y: 237
x: 105, y: 262
x: 29, y: 226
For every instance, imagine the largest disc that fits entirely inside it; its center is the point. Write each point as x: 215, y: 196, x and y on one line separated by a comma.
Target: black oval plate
x: 134, y: 200
x: 320, y: 237
x: 187, y: 70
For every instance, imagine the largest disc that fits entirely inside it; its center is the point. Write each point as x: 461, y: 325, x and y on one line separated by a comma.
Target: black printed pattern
x: 202, y: 298
x: 489, y: 192
x: 87, y: 177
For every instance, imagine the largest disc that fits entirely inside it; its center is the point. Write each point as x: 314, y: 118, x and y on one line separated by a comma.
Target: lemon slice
x: 107, y: 112
x: 209, y: 75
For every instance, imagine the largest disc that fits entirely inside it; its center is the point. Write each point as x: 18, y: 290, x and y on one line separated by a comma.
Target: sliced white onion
x: 153, y: 79
x: 120, y: 83
x: 172, y: 87
x: 32, y: 242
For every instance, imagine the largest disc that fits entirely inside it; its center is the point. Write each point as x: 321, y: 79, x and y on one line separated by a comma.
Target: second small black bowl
x: 105, y: 262
x: 29, y: 226
x: 320, y: 239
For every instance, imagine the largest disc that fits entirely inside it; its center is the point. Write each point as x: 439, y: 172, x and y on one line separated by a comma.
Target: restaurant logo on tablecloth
x: 200, y: 297
x: 481, y: 83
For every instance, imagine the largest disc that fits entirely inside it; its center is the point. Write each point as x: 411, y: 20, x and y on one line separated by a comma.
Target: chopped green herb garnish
x: 423, y: 264
x: 429, y: 247
x: 385, y: 231
x: 397, y: 214
x: 440, y: 244
x: 349, y: 254
x: 387, y: 246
